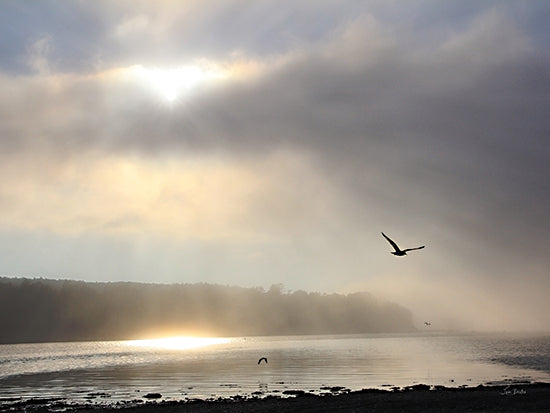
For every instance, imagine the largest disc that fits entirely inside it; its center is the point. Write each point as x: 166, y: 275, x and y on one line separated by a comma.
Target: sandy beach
x: 419, y: 398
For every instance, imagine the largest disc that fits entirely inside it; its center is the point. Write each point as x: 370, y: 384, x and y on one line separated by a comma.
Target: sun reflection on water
x: 178, y: 343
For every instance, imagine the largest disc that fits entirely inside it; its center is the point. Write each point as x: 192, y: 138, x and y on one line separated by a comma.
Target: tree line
x: 41, y: 310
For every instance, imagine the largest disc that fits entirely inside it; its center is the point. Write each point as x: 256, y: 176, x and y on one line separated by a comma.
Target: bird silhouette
x: 399, y: 252
x: 262, y: 358
x: 427, y: 323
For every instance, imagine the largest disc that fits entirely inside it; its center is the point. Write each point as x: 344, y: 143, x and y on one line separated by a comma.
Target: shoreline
x: 417, y: 398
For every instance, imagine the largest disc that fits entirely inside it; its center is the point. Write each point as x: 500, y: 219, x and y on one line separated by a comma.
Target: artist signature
x: 508, y: 391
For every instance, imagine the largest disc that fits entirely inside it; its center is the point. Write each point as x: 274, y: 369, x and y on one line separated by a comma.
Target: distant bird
x: 399, y: 252
x: 427, y: 323
x: 262, y: 358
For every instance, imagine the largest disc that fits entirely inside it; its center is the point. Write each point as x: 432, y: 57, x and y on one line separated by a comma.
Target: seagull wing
x: 412, y: 249
x: 393, y: 244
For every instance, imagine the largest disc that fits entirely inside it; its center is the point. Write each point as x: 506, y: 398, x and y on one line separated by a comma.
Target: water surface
x: 104, y: 372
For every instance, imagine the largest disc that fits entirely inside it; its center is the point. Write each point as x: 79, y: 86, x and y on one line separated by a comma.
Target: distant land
x: 43, y: 310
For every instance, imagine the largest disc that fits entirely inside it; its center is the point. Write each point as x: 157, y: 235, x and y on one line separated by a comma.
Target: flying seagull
x: 262, y: 358
x: 427, y: 323
x: 399, y: 252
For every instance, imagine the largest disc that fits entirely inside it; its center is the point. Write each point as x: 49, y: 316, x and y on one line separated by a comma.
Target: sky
x: 267, y: 142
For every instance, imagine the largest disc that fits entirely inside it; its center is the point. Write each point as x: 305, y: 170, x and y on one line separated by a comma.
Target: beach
x: 418, y: 398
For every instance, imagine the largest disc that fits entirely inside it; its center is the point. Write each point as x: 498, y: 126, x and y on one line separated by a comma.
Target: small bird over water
x: 262, y: 358
x: 399, y: 252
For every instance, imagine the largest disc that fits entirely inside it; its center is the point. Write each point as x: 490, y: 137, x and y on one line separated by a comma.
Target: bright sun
x: 178, y: 343
x: 175, y: 82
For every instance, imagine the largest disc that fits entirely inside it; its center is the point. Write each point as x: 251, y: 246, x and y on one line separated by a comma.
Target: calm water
x: 104, y: 372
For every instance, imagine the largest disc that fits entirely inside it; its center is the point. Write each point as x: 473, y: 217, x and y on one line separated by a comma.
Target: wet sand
x: 420, y: 398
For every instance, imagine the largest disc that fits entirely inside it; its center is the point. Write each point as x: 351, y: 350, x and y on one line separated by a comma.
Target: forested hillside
x: 40, y: 310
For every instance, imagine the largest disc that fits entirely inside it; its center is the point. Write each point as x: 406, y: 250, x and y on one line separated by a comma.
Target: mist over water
x: 103, y: 372
x: 50, y: 310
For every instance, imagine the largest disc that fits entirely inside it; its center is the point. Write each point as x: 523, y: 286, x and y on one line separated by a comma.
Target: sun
x: 173, y: 83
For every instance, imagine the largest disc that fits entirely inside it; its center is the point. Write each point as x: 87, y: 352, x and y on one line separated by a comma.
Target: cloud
x: 132, y: 25
x: 178, y: 198
x: 493, y: 38
x: 38, y: 55
x: 363, y: 98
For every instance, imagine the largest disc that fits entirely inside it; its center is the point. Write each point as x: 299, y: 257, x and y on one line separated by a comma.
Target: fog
x: 42, y: 310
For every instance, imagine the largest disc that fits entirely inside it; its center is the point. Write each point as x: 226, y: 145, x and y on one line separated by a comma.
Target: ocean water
x: 106, y: 372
